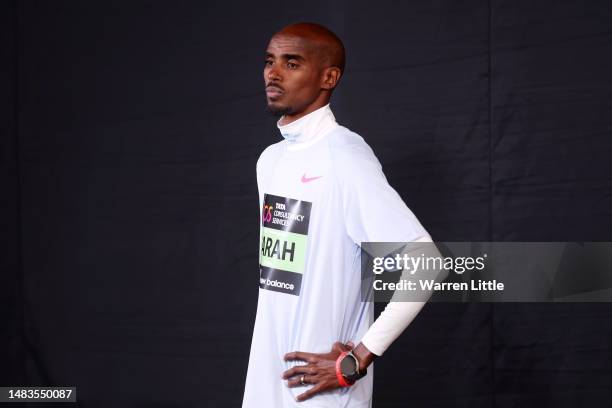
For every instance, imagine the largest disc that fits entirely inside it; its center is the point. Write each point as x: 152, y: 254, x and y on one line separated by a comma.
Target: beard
x: 279, y: 111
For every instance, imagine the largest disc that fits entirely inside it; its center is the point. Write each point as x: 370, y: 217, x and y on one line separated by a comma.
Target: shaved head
x: 324, y: 42
x: 303, y: 65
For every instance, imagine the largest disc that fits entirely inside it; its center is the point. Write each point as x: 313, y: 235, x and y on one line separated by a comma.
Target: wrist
x: 342, y: 381
x: 348, y: 369
x: 364, y: 356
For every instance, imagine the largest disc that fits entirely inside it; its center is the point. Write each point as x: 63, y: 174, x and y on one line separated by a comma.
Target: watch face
x: 348, y: 365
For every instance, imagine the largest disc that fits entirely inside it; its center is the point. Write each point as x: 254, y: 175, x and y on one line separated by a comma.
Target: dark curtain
x: 11, y: 299
x: 130, y: 132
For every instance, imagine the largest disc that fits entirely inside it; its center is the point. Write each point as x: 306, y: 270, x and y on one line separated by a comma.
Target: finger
x: 299, y: 370
x: 310, y: 392
x: 294, y: 382
x: 350, y: 345
x: 300, y: 355
x: 341, y: 347
x: 297, y: 381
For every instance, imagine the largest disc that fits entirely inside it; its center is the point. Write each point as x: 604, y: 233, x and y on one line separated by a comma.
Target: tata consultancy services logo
x: 266, y: 216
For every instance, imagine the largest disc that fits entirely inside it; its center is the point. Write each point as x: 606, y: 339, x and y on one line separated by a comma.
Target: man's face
x: 292, y: 74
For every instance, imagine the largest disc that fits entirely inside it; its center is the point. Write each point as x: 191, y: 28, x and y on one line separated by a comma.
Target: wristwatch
x: 347, y: 369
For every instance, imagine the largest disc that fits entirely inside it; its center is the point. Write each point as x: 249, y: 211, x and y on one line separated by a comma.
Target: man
x: 322, y: 192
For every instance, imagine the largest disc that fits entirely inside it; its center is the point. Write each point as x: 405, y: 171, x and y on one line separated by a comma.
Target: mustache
x: 274, y: 85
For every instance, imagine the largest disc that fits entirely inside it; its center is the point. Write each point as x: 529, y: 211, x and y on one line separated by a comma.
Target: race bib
x: 284, y: 235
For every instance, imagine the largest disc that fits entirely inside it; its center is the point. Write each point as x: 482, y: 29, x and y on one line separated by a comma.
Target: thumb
x: 350, y: 345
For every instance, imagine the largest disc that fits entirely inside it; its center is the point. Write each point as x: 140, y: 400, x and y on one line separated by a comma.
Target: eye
x: 268, y: 63
x: 292, y: 65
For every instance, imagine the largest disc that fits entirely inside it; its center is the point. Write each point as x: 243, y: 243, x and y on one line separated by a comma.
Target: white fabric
x: 351, y: 202
x: 308, y: 129
x: 391, y: 322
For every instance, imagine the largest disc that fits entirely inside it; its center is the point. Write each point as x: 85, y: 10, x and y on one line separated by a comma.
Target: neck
x: 308, y: 128
x: 322, y: 101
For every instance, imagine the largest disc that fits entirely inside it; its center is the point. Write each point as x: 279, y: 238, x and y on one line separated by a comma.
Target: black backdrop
x: 130, y: 132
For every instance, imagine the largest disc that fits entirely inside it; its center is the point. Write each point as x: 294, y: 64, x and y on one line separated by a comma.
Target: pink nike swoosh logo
x: 308, y: 179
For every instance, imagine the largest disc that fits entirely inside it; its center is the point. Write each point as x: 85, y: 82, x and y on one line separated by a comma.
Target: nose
x: 273, y: 74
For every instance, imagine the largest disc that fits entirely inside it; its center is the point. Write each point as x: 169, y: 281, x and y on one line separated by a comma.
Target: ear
x: 331, y: 76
